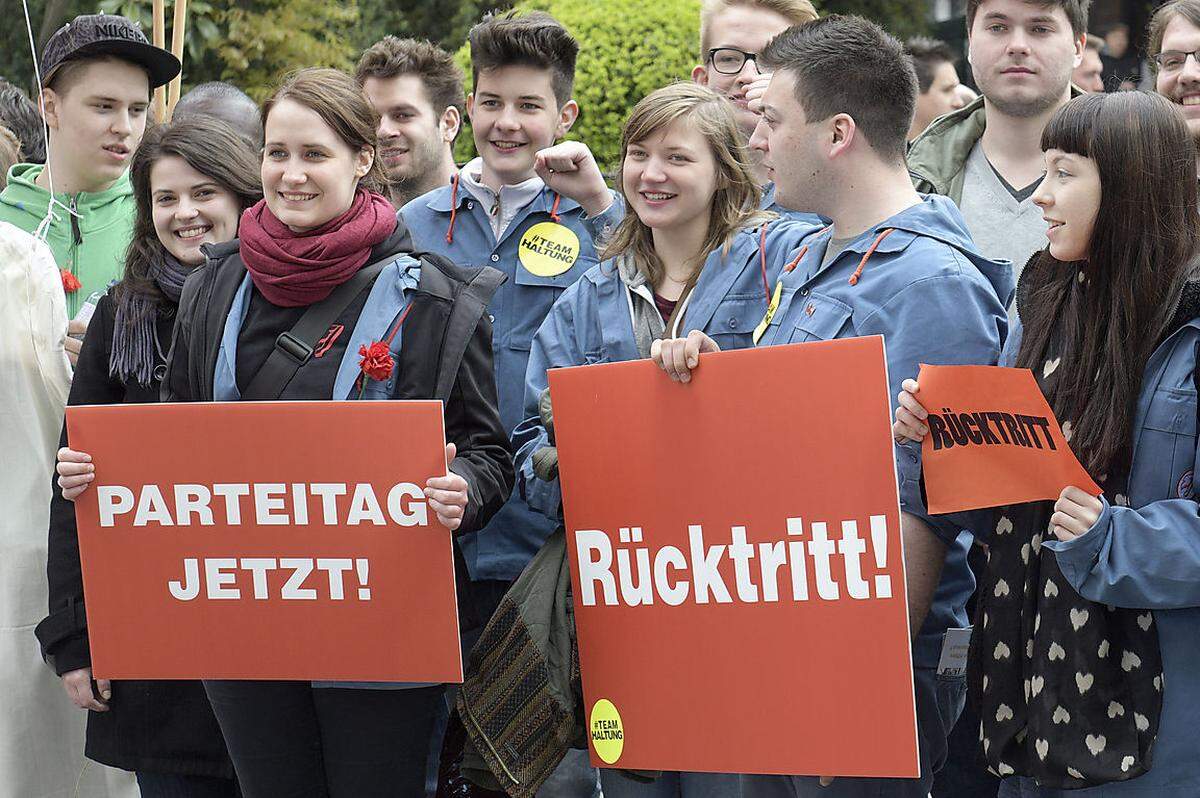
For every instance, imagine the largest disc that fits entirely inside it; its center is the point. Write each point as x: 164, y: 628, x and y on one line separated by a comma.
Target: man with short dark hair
x: 225, y: 102
x: 937, y: 79
x: 1174, y: 42
x: 833, y: 134
x: 1089, y: 75
x: 417, y: 89
x: 987, y: 156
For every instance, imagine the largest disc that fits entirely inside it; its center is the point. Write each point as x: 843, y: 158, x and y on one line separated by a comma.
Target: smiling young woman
x: 191, y: 182
x: 1087, y: 623
x: 323, y: 225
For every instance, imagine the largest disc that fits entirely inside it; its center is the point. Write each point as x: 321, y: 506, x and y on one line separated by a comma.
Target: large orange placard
x: 266, y: 540
x: 993, y: 440
x: 736, y: 563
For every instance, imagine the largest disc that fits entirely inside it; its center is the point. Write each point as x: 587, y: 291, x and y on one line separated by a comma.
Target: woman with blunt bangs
x: 321, y: 225
x: 191, y: 182
x: 692, y: 252
x: 1087, y: 632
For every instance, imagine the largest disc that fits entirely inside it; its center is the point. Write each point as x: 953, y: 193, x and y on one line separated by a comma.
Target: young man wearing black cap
x: 97, y: 72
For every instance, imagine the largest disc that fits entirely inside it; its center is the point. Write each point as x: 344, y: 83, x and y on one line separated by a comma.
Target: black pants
x: 291, y: 740
x: 174, y: 785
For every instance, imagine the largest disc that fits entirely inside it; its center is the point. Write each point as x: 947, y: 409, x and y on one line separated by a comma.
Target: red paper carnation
x: 376, y: 360
x: 70, y: 282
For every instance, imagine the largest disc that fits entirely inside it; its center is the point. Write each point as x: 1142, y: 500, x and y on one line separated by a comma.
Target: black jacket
x: 152, y: 726
x: 445, y: 353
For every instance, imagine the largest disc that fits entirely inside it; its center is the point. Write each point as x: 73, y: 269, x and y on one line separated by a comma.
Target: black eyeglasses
x: 1173, y: 60
x: 730, y: 60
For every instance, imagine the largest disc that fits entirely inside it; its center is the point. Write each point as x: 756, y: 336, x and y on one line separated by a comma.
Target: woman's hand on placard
x: 75, y: 472
x: 678, y: 356
x: 570, y: 169
x: 448, y: 495
x: 78, y: 684
x: 910, y: 414
x: 1075, y: 512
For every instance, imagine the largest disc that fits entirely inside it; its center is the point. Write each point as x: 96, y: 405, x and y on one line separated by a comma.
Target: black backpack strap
x: 469, y: 307
x: 294, y: 347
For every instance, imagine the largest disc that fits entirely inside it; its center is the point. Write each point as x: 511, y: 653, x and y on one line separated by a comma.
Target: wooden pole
x: 178, y: 27
x: 160, y: 40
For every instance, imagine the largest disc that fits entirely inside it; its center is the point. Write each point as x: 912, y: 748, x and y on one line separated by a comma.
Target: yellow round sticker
x: 608, y: 737
x: 548, y: 249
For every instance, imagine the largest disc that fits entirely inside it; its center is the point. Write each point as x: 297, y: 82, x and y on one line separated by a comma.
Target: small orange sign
x: 993, y: 440
x: 272, y: 540
x: 737, y: 565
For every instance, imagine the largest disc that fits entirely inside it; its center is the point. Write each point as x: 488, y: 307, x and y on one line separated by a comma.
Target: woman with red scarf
x: 416, y: 330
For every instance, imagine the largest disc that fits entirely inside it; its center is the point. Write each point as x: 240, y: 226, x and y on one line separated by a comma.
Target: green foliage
x: 203, y: 31
x: 901, y: 18
x: 266, y: 39
x: 631, y: 48
x: 444, y: 22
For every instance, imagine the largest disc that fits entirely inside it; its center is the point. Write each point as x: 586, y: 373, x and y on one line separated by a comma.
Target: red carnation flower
x: 376, y: 360
x: 70, y: 282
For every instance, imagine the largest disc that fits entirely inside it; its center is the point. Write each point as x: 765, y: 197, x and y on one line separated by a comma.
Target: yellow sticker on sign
x: 548, y: 249
x: 608, y: 736
x: 770, y: 314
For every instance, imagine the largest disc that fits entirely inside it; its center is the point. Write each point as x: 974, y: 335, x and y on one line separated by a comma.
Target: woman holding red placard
x: 322, y: 298
x: 191, y: 182
x: 1088, y: 622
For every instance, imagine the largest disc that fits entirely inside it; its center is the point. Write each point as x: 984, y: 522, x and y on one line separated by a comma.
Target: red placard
x: 702, y: 648
x: 266, y: 540
x: 993, y: 440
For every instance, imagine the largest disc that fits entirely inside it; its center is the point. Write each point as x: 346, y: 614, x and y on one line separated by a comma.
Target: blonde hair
x: 796, y: 12
x: 735, y: 204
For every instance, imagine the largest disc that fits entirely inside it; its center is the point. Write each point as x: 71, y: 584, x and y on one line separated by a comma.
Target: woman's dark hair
x: 1145, y: 238
x: 210, y: 147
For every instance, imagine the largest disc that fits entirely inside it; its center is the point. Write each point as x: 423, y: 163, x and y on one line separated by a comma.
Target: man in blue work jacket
x: 833, y: 132
x: 497, y: 212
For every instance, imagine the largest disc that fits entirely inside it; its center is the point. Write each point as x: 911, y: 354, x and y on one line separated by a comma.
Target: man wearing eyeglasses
x: 1175, y: 57
x: 732, y: 33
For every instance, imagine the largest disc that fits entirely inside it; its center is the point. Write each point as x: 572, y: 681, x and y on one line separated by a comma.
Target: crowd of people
x: 816, y: 179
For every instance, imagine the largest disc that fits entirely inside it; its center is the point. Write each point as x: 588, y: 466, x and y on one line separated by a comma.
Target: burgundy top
x: 665, y: 306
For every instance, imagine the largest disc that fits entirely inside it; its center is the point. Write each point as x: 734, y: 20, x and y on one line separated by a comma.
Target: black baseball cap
x: 107, y: 34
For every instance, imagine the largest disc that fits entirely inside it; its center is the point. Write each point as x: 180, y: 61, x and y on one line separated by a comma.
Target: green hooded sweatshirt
x: 90, y: 244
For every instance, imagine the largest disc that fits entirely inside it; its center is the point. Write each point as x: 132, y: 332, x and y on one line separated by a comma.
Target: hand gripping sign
x: 736, y: 563
x: 993, y: 440
x: 273, y: 540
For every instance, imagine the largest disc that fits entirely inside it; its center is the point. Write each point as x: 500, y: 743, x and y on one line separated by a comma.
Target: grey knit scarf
x: 134, y: 343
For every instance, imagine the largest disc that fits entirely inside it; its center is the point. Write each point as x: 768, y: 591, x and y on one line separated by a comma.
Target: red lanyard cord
x: 453, y: 207
x: 803, y: 251
x: 878, y: 240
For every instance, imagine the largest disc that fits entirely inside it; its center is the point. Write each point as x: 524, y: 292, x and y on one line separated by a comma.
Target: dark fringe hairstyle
x: 1145, y: 238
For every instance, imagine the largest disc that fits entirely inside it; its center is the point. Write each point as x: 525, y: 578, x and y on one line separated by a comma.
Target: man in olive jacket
x: 987, y: 156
